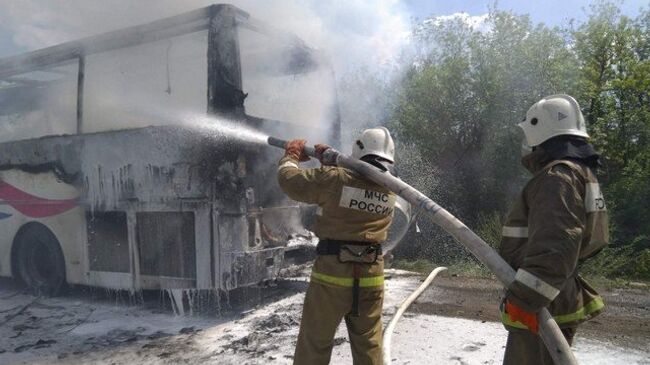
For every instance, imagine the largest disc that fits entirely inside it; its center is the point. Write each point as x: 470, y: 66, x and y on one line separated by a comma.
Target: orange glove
x: 517, y: 314
x: 296, y: 150
x: 320, y: 149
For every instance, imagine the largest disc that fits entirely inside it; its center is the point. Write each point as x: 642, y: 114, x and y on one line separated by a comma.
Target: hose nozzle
x: 280, y: 143
x: 276, y: 142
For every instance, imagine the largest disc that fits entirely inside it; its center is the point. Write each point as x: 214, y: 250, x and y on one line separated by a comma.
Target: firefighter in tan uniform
x: 558, y: 222
x: 347, y: 280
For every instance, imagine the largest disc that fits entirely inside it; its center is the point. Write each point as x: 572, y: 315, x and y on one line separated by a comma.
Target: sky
x: 551, y: 12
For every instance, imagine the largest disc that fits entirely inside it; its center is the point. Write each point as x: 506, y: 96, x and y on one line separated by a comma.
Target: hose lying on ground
x: 388, y: 332
x: 549, y: 331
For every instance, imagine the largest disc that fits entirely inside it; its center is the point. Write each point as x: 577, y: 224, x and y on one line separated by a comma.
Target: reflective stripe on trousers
x: 582, y: 313
x: 366, y: 282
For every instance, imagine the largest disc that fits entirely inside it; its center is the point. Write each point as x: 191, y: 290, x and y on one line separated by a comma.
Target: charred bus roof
x: 26, y: 77
x: 189, y: 22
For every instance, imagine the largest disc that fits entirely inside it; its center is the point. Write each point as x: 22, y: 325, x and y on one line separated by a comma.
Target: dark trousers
x: 526, y: 348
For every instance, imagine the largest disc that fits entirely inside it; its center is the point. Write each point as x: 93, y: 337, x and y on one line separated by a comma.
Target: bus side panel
x: 40, y: 197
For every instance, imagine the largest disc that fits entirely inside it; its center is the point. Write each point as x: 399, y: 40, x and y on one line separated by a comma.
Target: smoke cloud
x: 351, y: 32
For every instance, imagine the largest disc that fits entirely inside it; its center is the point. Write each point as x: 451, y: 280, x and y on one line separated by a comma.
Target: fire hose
x: 388, y: 332
x: 549, y: 331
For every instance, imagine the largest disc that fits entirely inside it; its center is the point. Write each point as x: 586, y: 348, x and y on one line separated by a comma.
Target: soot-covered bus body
x: 98, y: 184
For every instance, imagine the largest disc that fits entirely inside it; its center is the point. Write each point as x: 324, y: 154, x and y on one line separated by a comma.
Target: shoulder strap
x: 584, y: 177
x: 572, y: 165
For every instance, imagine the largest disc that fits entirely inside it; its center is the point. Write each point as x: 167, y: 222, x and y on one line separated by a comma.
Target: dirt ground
x: 626, y: 320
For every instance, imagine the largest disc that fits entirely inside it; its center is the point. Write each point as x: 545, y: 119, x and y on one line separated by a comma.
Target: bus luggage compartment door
x: 239, y: 264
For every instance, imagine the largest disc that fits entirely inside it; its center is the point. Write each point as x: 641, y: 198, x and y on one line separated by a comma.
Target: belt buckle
x: 362, y: 256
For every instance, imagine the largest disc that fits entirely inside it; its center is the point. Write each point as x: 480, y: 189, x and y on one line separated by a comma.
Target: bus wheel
x: 39, y: 262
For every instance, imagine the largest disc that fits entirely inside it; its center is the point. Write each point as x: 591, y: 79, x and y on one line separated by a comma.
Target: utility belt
x: 350, y: 251
x: 356, y: 253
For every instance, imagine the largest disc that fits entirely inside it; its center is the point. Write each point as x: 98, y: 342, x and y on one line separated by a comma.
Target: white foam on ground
x: 429, y: 339
x: 419, y: 338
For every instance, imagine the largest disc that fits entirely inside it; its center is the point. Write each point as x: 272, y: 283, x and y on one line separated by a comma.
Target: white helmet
x: 375, y: 141
x: 553, y: 116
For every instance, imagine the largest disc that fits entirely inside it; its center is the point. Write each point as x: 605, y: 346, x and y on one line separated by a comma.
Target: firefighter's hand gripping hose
x: 388, y: 332
x: 548, y: 329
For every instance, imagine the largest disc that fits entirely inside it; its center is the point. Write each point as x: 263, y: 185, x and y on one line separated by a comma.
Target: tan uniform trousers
x: 526, y: 348
x: 325, y: 306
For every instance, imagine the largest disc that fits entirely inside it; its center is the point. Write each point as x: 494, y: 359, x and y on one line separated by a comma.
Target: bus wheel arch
x: 37, y: 260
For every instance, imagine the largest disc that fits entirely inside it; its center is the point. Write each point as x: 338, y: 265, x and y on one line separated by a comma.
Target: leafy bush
x: 610, y: 262
x: 619, y: 262
x: 489, y: 228
x: 641, y: 267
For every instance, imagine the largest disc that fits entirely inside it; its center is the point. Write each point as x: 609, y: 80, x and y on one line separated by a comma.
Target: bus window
x: 167, y: 246
x: 286, y: 81
x: 108, y: 244
x: 39, y: 103
x: 146, y: 84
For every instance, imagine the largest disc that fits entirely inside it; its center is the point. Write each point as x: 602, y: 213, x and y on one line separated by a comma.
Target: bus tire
x: 38, y: 260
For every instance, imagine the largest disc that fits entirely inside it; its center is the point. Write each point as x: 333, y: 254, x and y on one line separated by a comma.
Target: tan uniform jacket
x: 350, y: 207
x: 559, y: 219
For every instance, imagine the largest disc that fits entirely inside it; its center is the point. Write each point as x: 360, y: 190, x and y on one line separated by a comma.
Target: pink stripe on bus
x: 31, y: 205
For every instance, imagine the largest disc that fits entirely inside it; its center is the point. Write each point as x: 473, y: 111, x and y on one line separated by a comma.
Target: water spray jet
x: 222, y: 128
x: 549, y: 330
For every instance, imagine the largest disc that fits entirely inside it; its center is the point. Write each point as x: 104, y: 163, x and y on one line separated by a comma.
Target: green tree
x: 460, y: 101
x: 614, y: 55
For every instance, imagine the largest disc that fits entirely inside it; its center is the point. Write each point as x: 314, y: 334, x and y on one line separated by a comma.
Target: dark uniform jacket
x: 559, y: 220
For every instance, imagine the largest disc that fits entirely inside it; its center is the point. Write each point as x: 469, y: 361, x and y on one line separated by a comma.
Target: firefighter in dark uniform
x: 558, y: 221
x: 347, y: 280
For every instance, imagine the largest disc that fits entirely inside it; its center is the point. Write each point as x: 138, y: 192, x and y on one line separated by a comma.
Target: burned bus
x: 100, y: 187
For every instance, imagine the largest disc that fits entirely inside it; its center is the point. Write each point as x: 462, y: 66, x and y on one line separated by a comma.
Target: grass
x: 471, y: 268
x: 462, y: 268
x: 600, y: 282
